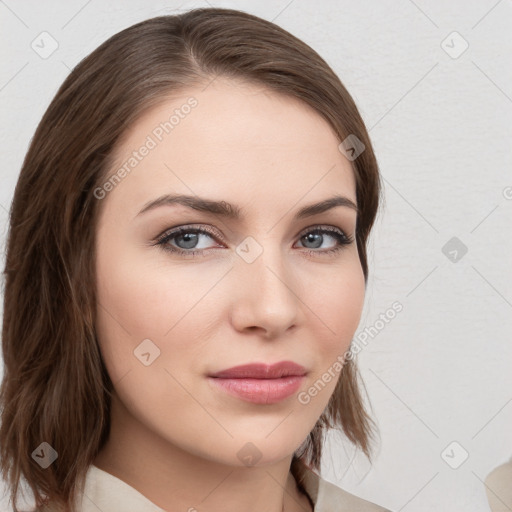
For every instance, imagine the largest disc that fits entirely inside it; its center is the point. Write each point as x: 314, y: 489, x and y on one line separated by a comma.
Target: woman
x: 171, y: 339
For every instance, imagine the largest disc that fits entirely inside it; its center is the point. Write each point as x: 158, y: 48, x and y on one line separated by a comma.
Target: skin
x: 175, y: 437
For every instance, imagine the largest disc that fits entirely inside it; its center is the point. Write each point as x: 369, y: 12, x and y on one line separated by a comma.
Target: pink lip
x: 261, y: 383
x: 262, y: 371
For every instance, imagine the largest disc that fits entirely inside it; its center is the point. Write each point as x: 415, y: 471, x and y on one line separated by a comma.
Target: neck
x: 172, y: 477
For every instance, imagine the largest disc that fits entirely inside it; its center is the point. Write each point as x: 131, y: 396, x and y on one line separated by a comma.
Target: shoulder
x: 328, y: 497
x: 332, y: 497
x: 498, y: 488
x: 106, y: 492
x: 503, y: 472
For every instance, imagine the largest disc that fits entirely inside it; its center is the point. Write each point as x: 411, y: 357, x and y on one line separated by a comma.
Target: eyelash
x: 162, y: 240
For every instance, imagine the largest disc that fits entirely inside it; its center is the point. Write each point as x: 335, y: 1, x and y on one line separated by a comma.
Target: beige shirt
x: 498, y: 486
x: 108, y: 493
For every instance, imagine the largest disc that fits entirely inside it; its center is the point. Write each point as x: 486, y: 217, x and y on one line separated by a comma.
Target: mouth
x: 262, y: 371
x: 260, y: 383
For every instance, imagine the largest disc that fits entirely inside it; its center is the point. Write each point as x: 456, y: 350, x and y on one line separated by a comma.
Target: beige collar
x: 108, y: 493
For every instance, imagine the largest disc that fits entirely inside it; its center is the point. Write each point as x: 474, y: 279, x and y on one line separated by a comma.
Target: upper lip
x: 262, y: 371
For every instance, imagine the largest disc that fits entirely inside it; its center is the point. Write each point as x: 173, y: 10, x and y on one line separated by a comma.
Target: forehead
x: 235, y: 141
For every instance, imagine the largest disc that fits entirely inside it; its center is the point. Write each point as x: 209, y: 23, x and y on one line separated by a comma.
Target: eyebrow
x: 230, y: 211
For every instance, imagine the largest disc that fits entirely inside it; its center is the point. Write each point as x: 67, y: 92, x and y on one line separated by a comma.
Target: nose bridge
x: 268, y: 290
x: 271, y: 273
x: 264, y: 258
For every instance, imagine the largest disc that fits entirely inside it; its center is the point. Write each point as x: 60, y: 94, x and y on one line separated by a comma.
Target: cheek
x: 350, y: 299
x: 337, y: 300
x: 140, y: 301
x: 336, y: 307
x: 142, y: 298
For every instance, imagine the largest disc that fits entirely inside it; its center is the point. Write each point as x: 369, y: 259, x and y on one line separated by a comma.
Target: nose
x: 265, y: 296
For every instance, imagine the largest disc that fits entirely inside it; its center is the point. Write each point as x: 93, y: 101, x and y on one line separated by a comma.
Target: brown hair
x: 55, y: 387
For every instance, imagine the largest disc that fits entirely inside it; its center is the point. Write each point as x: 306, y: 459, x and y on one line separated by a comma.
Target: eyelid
x: 342, y: 240
x: 205, y: 227
x: 187, y: 227
x: 326, y: 227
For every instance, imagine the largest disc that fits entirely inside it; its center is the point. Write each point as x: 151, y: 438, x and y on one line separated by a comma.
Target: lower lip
x: 260, y: 391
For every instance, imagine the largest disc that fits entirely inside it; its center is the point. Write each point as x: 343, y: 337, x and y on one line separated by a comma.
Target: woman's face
x: 257, y: 289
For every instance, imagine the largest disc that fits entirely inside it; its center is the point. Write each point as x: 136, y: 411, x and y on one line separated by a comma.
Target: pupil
x: 311, y: 236
x: 190, y: 240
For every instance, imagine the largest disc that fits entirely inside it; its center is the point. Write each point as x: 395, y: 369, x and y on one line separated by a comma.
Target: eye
x: 185, y: 239
x: 318, y: 235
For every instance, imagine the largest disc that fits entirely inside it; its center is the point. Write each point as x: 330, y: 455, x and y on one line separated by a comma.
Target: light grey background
x: 441, y: 125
